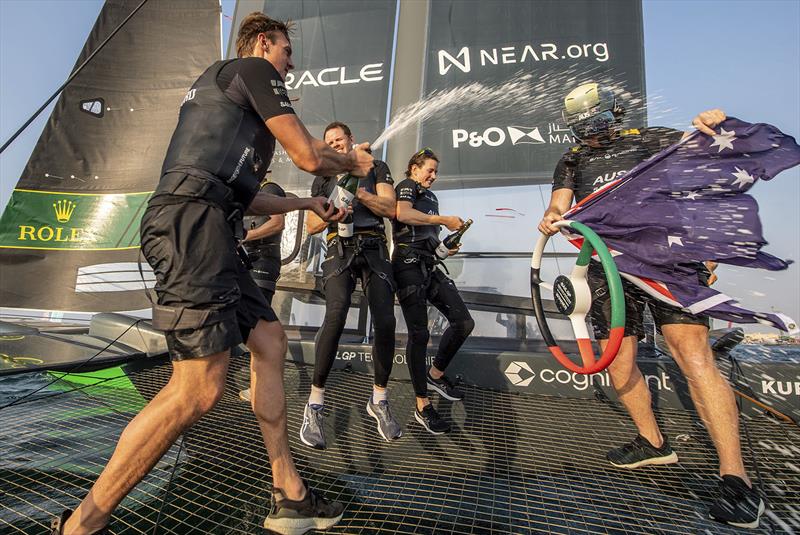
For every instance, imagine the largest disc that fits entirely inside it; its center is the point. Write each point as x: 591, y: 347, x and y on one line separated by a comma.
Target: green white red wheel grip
x: 573, y: 298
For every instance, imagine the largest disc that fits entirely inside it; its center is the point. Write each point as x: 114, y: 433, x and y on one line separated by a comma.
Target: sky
x: 742, y: 56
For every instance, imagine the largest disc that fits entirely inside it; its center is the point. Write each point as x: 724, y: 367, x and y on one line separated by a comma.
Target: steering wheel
x: 573, y: 298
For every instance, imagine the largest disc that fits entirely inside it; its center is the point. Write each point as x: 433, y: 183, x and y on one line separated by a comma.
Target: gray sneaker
x: 289, y: 517
x: 311, y: 432
x: 387, y: 425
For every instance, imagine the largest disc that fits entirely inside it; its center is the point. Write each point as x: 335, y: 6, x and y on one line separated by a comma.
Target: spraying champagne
x: 452, y: 241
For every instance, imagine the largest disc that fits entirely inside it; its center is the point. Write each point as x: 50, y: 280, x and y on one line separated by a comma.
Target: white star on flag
x: 743, y: 178
x: 724, y: 140
x: 674, y: 239
x: 692, y: 195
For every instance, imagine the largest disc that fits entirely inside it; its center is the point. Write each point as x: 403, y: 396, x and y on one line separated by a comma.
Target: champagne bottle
x: 343, y: 196
x: 452, y: 240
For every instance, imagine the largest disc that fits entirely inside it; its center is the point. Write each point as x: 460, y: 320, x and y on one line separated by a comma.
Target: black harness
x: 348, y: 249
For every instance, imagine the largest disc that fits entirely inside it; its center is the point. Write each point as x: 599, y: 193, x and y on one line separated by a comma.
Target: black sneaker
x: 57, y: 524
x: 430, y: 420
x: 738, y: 505
x: 289, y: 517
x: 640, y: 452
x: 445, y: 388
x: 387, y: 425
x: 312, y: 432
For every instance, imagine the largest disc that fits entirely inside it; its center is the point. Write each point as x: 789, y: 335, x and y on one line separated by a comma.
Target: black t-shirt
x: 254, y: 83
x: 221, y: 133
x: 585, y: 169
x: 253, y: 222
x: 425, y: 201
x: 363, y: 218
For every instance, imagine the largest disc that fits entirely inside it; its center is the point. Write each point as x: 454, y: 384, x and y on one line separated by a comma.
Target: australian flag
x: 689, y: 204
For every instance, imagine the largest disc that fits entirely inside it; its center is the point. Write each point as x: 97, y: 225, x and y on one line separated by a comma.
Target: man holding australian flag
x: 669, y: 205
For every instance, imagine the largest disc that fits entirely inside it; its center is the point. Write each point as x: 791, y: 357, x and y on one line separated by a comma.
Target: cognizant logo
x: 372, y: 72
x: 520, y: 374
x: 466, y: 59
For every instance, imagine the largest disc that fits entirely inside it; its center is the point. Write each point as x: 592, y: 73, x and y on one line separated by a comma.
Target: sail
x: 69, y: 237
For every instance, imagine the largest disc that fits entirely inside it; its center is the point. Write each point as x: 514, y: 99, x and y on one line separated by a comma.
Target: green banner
x: 83, y: 221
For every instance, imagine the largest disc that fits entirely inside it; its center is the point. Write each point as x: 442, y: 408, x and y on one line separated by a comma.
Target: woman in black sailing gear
x: 207, y: 300
x: 262, y: 244
x: 363, y: 255
x: 420, y: 281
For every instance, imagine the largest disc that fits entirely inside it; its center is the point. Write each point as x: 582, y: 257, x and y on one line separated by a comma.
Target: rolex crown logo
x: 64, y: 209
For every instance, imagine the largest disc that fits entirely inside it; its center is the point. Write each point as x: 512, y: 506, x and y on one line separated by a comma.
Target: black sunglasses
x: 427, y: 151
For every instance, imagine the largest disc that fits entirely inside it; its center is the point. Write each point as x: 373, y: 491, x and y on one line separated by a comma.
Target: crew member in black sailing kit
x: 606, y: 151
x: 263, y: 248
x: 420, y: 281
x: 263, y: 243
x: 207, y: 300
x: 356, y: 250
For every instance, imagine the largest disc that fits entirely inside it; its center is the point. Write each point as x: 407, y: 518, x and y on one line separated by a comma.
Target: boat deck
x: 515, y: 463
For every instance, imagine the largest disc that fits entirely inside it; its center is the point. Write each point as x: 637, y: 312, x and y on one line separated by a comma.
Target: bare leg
x: 422, y: 403
x: 711, y: 393
x: 436, y: 373
x: 632, y: 390
x: 267, y: 343
x: 195, y: 387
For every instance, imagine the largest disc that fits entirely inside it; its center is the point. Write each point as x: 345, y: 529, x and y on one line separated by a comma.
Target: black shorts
x: 192, y: 251
x: 635, y: 301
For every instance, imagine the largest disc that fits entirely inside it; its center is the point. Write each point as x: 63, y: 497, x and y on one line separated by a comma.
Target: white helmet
x: 591, y: 111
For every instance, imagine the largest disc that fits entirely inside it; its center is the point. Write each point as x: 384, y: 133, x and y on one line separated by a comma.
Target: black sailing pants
x: 370, y: 263
x: 266, y: 272
x: 419, y: 282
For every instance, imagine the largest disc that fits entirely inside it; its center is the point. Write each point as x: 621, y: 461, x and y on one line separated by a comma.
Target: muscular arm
x: 560, y: 201
x: 266, y: 204
x: 383, y: 204
x: 314, y: 155
x: 272, y: 227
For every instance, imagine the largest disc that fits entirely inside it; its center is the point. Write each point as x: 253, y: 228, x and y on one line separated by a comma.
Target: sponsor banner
x: 60, y: 220
x: 342, y: 52
x: 776, y: 383
x: 550, y: 46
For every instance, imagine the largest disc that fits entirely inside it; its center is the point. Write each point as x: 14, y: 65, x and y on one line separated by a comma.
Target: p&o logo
x: 495, y: 136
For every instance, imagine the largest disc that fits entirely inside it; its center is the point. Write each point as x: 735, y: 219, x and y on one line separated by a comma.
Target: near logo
x: 95, y: 107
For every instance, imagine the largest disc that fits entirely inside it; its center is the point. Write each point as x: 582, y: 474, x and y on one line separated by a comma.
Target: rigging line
x: 558, y: 266
x: 71, y: 77
x: 73, y: 369
x: 167, y: 489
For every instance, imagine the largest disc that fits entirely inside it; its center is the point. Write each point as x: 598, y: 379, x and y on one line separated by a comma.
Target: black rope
x: 169, y: 485
x: 72, y: 76
x: 74, y: 369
